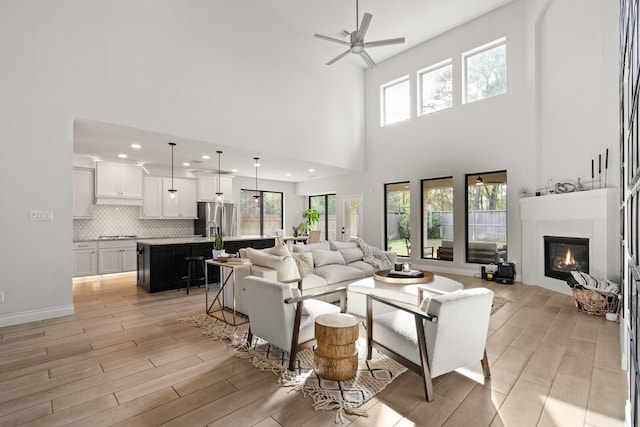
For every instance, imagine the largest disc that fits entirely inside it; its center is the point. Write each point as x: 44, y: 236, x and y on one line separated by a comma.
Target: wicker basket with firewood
x: 594, y: 296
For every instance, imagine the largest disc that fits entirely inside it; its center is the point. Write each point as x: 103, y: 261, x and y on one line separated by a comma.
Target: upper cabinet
x: 82, y: 193
x: 152, y: 200
x: 118, y: 183
x: 184, y: 204
x: 208, y: 187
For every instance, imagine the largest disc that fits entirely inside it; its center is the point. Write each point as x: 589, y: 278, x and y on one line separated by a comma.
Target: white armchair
x: 278, y: 314
x: 447, y: 332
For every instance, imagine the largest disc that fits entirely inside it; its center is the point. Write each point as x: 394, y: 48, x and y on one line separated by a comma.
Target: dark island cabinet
x: 162, y: 266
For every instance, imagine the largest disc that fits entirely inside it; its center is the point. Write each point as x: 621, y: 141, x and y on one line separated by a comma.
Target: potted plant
x: 311, y: 217
x: 218, y: 245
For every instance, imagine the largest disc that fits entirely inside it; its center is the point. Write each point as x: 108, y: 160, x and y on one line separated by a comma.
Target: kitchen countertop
x: 193, y: 239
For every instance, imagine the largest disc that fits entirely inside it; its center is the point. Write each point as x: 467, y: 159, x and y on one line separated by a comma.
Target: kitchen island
x: 161, y: 261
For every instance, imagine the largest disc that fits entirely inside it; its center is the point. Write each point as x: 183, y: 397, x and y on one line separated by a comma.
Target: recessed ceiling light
x: 186, y: 164
x: 206, y: 157
x: 312, y: 170
x: 287, y: 174
x: 136, y: 146
x: 234, y: 170
x: 122, y: 156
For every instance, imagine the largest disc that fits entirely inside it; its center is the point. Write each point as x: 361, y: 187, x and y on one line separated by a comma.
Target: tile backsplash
x: 109, y: 220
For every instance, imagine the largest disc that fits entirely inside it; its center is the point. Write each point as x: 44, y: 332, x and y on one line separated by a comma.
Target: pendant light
x: 172, y: 190
x: 256, y: 197
x: 219, y: 193
x: 479, y: 180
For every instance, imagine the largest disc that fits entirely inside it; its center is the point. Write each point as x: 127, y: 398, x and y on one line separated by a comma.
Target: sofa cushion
x: 313, y: 283
x: 284, y: 265
x: 351, y: 254
x: 336, y: 245
x: 336, y: 273
x: 361, y: 265
x: 311, y: 246
x: 304, y: 262
x: 322, y: 257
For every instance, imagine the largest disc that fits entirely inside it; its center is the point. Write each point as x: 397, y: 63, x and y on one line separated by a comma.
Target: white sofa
x: 316, y: 267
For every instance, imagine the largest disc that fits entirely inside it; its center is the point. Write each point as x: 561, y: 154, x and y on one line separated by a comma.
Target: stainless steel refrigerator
x: 214, y: 217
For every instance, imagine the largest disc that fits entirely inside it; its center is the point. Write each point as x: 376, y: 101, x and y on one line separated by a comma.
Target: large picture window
x: 485, y: 71
x: 395, y: 101
x: 325, y: 204
x: 486, y: 217
x: 397, y: 221
x: 260, y: 216
x: 436, y: 88
x: 437, y: 218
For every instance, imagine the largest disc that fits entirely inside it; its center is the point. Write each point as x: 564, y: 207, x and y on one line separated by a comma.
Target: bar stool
x: 192, y: 263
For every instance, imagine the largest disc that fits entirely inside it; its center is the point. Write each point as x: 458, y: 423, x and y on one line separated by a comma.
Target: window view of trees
x: 398, y: 218
x: 487, y: 217
x: 486, y: 73
x: 437, y: 218
x: 436, y: 86
x: 263, y: 216
x: 395, y: 101
x: 325, y: 204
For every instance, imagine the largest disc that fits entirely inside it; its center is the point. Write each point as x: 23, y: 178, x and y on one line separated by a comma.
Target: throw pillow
x: 324, y: 257
x: 304, y: 262
x: 285, y: 266
x: 279, y: 250
x: 351, y: 254
x: 311, y: 246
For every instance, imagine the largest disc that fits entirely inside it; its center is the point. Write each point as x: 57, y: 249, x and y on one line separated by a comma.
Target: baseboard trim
x: 36, y: 315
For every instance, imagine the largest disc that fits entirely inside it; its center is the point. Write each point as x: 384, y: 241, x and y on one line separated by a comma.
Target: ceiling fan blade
x: 367, y: 59
x: 342, y: 55
x: 385, y: 42
x: 364, y: 25
x: 331, y: 39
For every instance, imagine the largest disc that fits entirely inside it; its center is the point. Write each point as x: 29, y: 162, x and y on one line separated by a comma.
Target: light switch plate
x: 40, y: 215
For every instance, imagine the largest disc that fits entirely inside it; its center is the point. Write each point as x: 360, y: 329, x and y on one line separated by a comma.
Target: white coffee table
x: 410, y: 293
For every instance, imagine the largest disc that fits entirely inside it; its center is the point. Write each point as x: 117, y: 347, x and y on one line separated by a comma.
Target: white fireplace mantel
x: 589, y: 214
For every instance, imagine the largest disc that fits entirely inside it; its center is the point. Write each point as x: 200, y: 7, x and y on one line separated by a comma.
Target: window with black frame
x: 325, y: 204
x: 486, y: 217
x: 437, y: 218
x: 397, y: 222
x: 261, y: 212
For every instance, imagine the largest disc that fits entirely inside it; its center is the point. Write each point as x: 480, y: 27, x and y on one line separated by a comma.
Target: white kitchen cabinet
x: 118, y: 183
x: 208, y: 187
x: 115, y: 256
x: 184, y: 205
x: 85, y: 259
x: 152, y: 197
x: 82, y: 193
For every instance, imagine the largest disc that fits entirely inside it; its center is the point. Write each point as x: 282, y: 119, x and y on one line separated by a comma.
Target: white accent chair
x: 280, y: 315
x: 447, y: 332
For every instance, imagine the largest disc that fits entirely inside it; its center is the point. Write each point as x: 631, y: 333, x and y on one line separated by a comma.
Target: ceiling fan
x: 357, y: 43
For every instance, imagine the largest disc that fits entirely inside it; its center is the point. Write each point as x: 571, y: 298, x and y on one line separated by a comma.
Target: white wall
x: 560, y: 111
x: 211, y: 71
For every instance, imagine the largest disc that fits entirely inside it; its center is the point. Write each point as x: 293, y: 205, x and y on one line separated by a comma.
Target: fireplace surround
x: 591, y: 214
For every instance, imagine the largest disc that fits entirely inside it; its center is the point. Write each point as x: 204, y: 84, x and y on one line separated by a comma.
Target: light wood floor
x: 123, y: 359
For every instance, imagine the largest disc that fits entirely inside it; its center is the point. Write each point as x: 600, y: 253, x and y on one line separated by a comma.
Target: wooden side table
x: 219, y: 298
x: 336, y: 356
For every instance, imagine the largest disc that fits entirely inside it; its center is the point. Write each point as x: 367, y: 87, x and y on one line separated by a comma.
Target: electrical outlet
x: 40, y: 215
x: 1, y: 296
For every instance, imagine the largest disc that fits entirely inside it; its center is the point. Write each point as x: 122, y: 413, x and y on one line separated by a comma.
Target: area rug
x: 346, y: 397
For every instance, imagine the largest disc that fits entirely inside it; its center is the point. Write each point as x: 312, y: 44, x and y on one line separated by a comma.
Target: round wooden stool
x: 336, y: 356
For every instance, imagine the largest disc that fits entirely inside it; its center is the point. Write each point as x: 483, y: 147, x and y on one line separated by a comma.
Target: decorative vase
x: 216, y: 253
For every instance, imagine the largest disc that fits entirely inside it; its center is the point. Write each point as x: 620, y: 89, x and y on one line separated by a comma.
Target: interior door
x: 351, y: 218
